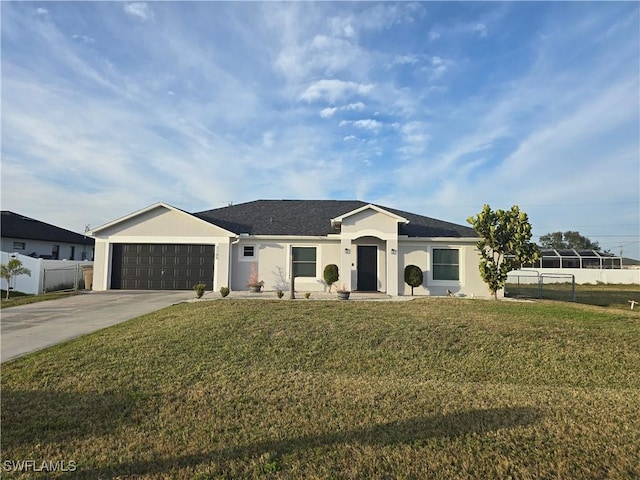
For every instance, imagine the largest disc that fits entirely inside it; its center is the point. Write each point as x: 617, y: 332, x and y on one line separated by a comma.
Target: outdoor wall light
x: 394, y: 251
x: 347, y: 251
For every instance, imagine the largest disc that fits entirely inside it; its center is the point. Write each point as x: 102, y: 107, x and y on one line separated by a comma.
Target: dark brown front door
x: 367, y: 268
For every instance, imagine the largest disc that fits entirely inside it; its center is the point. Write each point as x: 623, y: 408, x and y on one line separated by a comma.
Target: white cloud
x: 42, y: 11
x: 358, y: 106
x: 350, y: 137
x: 83, y: 38
x: 366, y: 124
x: 409, y: 59
x: 480, y: 29
x: 351, y: 107
x: 438, y: 67
x: 414, y: 138
x: 328, y: 112
x: 334, y: 90
x: 139, y: 9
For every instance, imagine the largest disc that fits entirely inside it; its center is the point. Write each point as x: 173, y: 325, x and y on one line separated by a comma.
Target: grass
x: 432, y: 388
x: 19, y: 298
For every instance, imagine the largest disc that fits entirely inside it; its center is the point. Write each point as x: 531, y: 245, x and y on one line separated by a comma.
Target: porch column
x: 221, y: 264
x: 345, y: 263
x: 392, y: 266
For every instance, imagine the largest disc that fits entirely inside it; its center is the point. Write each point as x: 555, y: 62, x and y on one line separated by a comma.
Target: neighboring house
x: 162, y: 247
x: 37, y: 239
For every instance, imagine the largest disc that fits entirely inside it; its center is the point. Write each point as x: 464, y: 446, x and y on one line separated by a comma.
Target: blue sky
x: 434, y: 108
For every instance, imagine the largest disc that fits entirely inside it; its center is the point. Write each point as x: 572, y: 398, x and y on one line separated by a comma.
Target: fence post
x: 573, y: 288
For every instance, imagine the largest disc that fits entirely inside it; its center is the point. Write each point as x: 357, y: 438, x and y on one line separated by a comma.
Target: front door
x: 367, y: 268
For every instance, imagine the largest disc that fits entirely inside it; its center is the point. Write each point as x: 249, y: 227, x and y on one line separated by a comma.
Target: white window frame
x: 23, y: 247
x: 447, y: 283
x: 290, y: 260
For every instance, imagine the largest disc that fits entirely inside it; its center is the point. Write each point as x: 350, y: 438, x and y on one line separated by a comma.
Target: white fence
x: 590, y: 275
x: 46, y: 275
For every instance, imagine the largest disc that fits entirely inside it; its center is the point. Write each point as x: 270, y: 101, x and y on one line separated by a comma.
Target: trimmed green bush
x: 413, y: 276
x: 199, y: 288
x: 330, y: 274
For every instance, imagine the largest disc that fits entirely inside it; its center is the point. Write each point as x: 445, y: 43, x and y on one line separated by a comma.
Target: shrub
x: 307, y: 295
x: 413, y: 276
x: 279, y: 293
x: 330, y: 274
x: 224, y: 291
x: 199, y: 288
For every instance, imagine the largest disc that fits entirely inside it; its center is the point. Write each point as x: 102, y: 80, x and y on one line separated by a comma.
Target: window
x: 446, y: 264
x: 19, y: 245
x: 72, y: 255
x: 248, y: 252
x: 55, y: 252
x: 304, y: 261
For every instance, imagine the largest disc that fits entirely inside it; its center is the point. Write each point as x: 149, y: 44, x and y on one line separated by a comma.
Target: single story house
x: 163, y: 247
x: 33, y: 238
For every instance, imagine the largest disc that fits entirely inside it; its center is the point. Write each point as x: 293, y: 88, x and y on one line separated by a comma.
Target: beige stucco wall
x: 470, y: 283
x: 161, y: 225
x: 368, y: 221
x: 273, y: 260
x: 164, y: 223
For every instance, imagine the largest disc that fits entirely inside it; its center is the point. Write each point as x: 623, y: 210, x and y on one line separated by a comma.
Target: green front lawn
x: 432, y: 388
x: 19, y: 298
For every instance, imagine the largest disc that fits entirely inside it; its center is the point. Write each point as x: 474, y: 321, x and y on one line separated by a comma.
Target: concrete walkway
x: 28, y: 328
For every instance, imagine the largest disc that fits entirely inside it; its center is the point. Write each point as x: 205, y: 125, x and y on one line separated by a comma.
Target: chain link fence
x: 532, y: 284
x: 56, y: 279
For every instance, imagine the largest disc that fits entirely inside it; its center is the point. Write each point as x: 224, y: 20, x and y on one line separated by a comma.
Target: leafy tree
x: 11, y: 270
x: 330, y: 275
x: 568, y: 239
x: 413, y: 276
x: 505, y: 244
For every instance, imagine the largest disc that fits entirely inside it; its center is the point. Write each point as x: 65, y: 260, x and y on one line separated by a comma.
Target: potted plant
x: 254, y: 284
x: 343, y: 293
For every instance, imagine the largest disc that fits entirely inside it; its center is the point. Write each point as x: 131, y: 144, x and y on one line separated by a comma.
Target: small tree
x: 413, y: 276
x: 505, y: 244
x: 330, y: 275
x: 11, y: 270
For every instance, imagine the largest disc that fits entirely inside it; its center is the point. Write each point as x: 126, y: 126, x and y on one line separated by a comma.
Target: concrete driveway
x: 27, y: 328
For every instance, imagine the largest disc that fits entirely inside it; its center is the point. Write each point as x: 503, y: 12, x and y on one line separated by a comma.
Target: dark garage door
x: 144, y: 266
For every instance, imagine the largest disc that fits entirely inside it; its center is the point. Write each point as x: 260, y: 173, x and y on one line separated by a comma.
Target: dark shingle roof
x: 313, y: 218
x: 14, y: 225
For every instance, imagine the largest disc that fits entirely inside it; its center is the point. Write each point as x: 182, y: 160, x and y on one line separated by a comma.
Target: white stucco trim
x: 398, y: 218
x: 166, y: 240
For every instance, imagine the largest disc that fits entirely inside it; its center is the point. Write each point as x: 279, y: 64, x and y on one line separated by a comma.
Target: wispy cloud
x: 333, y: 90
x: 139, y: 9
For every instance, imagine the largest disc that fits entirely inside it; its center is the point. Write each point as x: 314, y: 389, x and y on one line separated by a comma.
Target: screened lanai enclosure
x: 572, y: 258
